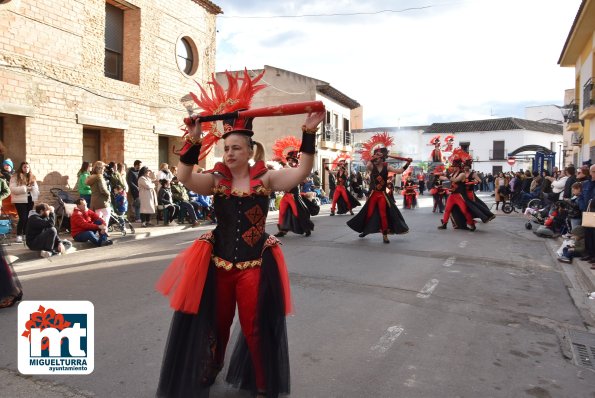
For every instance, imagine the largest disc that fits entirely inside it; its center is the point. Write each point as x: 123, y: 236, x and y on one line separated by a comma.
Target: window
x: 498, y: 150
x: 186, y: 56
x: 496, y: 170
x: 114, y: 43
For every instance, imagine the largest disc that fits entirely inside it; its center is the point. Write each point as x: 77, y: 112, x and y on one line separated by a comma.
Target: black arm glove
x: 406, y: 166
x: 308, y: 141
x: 189, y: 154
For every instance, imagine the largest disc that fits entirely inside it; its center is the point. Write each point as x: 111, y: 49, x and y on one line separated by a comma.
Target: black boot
x: 281, y: 233
x: 308, y: 233
x: 385, y: 238
x: 332, y: 212
x: 363, y: 234
x: 443, y: 226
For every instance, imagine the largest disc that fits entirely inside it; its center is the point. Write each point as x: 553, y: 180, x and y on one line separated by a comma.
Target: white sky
x: 451, y: 61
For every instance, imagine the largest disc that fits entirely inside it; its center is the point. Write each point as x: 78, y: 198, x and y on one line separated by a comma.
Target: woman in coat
x: 24, y: 193
x: 147, y: 195
x: 100, y: 194
x: 500, y: 189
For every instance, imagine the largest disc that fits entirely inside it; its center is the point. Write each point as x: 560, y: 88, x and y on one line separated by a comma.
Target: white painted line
x: 427, y: 290
x: 463, y: 244
x: 386, y: 341
x: 449, y: 261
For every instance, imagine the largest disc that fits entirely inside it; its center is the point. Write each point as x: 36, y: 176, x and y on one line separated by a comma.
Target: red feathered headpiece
x: 343, y: 157
x: 435, y: 140
x: 439, y: 169
x: 238, y: 96
x: 378, y: 142
x: 460, y: 157
x: 450, y: 138
x: 285, y: 148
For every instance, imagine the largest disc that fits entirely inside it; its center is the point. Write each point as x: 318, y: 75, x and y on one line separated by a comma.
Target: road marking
x: 449, y: 261
x: 463, y: 244
x: 427, y: 290
x: 386, y: 341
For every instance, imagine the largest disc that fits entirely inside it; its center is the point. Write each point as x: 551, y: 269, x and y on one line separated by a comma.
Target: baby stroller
x: 63, y: 209
x: 518, y: 202
x: 119, y: 223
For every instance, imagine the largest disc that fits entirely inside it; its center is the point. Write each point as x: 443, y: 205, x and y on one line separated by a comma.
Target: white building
x: 491, y: 142
x: 408, y: 141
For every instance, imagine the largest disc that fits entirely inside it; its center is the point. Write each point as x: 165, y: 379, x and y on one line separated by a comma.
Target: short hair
x: 79, y: 201
x: 577, y: 185
x: 137, y: 162
x: 41, y: 208
x: 571, y: 170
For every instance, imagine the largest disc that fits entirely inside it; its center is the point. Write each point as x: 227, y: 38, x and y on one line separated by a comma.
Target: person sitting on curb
x: 41, y: 233
x: 87, y: 226
x: 165, y: 199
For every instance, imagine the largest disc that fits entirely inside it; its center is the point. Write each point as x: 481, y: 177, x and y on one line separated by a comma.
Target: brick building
x: 99, y: 79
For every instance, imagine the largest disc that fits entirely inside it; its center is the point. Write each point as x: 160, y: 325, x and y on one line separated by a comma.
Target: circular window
x: 186, y: 55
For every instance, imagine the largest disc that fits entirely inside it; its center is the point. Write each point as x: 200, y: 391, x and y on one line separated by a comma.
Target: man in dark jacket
x: 132, y: 180
x: 571, y: 173
x: 41, y: 233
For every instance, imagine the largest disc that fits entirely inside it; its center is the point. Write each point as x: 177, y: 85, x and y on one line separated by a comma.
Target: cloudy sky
x: 409, y: 62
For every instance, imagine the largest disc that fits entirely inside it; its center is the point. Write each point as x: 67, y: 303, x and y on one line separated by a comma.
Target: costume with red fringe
x: 343, y: 200
x: 449, y: 142
x: 409, y: 193
x: 237, y: 263
x: 438, y: 191
x: 436, y: 154
x: 294, y: 212
x: 379, y: 214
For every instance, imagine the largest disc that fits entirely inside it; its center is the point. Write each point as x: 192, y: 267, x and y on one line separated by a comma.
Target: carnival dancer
x: 439, y: 191
x: 449, y: 142
x: 11, y: 291
x: 436, y: 154
x: 342, y: 198
x: 297, y: 219
x: 379, y: 214
x: 237, y: 262
x: 390, y: 187
x: 409, y: 193
x: 477, y: 208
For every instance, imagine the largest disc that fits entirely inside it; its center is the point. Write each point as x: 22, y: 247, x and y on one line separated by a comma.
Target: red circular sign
x: 511, y: 160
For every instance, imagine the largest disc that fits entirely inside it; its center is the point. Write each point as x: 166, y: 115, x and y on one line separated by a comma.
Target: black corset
x: 379, y: 178
x: 240, y: 232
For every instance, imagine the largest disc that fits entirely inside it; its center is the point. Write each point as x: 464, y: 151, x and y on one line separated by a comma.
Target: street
x: 432, y: 314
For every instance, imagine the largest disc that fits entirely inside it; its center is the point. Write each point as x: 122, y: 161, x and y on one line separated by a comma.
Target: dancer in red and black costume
x: 294, y: 214
x: 477, y: 208
x: 439, y: 191
x: 237, y: 263
x: 379, y: 214
x: 409, y: 193
x: 343, y: 200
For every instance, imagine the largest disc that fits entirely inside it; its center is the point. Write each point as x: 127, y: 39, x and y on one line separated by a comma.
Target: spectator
x: 100, y: 194
x: 502, y: 189
x: 120, y: 201
x: 584, y: 203
x: 316, y: 179
x: 121, y: 169
x: 526, y: 187
x: 41, y: 233
x: 84, y: 189
x: 331, y: 183
x: 165, y: 199
x: 164, y: 173
x: 174, y: 170
x: 87, y: 226
x: 490, y: 182
x: 4, y: 189
x: 24, y: 190
x: 571, y: 173
x: 132, y: 180
x: 557, y: 188
x: 181, y: 198
x: 582, y: 174
x: 116, y: 179
x: 7, y: 169
x: 147, y: 195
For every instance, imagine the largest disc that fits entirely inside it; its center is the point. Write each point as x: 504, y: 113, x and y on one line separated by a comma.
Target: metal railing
x: 498, y: 154
x: 588, y: 94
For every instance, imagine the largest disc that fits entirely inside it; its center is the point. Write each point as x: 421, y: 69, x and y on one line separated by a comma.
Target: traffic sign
x: 511, y: 160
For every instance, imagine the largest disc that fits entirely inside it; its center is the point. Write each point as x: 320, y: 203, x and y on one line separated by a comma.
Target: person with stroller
x: 87, y: 226
x: 24, y: 192
x: 42, y: 235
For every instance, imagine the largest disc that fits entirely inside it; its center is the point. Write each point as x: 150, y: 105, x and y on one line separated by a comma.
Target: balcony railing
x: 335, y: 135
x: 347, y: 137
x: 498, y: 154
x: 588, y: 94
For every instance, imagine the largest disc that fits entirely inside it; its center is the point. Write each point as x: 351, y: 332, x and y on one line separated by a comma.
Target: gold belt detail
x: 228, y: 265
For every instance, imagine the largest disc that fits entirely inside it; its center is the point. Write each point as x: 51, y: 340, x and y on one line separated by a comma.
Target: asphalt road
x: 432, y: 314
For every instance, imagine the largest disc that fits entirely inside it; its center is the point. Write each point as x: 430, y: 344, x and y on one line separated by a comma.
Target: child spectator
x: 121, y: 203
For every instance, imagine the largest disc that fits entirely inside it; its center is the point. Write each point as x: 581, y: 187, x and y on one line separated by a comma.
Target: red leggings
x: 455, y: 199
x: 241, y: 287
x: 340, y: 191
x: 286, y: 200
x: 378, y: 199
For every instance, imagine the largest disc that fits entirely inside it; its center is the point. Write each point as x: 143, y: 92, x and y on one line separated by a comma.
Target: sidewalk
x: 18, y: 253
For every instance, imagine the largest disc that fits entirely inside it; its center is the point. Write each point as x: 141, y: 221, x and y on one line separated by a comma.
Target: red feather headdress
x: 283, y: 147
x: 435, y: 139
x: 380, y: 140
x: 217, y: 100
x: 439, y: 169
x: 449, y: 138
x: 459, y: 157
x: 341, y: 157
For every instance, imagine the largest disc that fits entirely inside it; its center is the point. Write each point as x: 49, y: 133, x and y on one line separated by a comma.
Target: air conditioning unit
x: 576, y: 138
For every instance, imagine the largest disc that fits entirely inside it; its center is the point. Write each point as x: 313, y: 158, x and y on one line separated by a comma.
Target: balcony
x: 498, y: 154
x: 335, y: 138
x: 588, y: 94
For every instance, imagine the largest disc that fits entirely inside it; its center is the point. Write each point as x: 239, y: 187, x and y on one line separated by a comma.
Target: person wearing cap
x: 7, y: 169
x: 237, y: 263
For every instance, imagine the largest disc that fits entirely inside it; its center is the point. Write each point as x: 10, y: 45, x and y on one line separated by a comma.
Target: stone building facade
x: 99, y: 80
